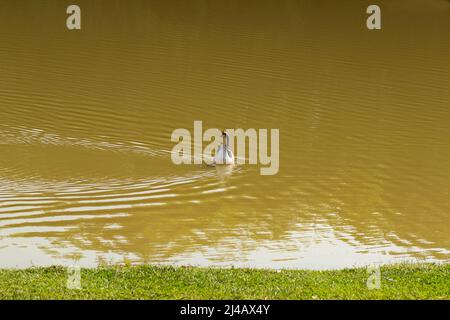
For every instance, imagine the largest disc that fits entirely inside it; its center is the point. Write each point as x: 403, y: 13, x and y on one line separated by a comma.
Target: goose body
x: 224, y: 155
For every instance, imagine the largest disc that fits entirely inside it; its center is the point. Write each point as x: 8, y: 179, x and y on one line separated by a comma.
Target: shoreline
x: 398, y: 281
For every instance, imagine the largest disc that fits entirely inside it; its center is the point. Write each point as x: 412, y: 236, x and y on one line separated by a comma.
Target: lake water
x: 86, y: 117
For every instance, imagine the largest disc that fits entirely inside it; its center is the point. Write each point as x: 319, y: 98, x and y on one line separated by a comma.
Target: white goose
x: 224, y: 155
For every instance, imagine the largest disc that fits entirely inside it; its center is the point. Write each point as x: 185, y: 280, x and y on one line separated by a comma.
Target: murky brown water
x: 86, y: 118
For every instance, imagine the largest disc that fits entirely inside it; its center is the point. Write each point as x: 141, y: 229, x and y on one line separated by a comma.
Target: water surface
x: 86, y: 118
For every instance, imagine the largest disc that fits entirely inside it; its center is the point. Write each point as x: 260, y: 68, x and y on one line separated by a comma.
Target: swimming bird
x: 224, y: 155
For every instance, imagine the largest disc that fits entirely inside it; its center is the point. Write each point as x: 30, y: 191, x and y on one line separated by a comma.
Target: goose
x: 224, y: 155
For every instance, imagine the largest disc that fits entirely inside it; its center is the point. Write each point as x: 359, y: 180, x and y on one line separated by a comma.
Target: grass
x: 406, y: 281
